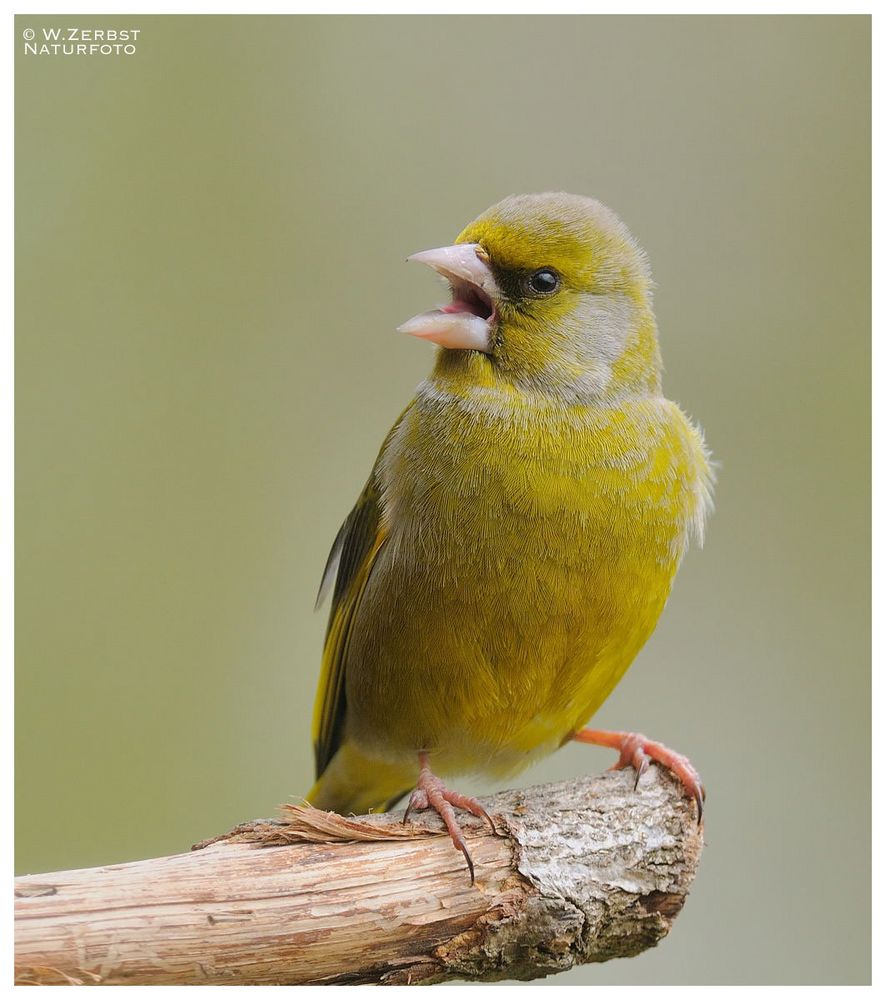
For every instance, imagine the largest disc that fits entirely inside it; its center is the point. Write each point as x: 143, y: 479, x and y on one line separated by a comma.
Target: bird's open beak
x: 466, y: 322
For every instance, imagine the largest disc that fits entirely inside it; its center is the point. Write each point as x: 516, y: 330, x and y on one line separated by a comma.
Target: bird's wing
x: 350, y: 563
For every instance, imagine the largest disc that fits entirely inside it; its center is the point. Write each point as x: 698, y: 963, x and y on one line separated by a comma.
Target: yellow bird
x: 518, y: 536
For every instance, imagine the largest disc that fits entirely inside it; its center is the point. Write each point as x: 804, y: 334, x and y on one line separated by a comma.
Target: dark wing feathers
x: 350, y: 562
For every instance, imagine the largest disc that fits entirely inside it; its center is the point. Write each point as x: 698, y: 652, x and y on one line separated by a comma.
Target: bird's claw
x: 431, y: 793
x: 637, y: 751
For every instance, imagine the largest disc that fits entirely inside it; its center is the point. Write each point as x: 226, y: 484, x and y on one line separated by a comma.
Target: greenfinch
x: 519, y: 534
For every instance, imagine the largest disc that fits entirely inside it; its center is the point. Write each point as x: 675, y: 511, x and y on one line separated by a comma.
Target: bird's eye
x: 544, y: 282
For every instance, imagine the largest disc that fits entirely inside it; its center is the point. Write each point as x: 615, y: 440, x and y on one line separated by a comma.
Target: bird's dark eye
x: 544, y: 282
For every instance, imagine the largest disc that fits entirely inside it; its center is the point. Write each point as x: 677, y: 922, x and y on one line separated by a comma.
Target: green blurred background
x: 211, y: 237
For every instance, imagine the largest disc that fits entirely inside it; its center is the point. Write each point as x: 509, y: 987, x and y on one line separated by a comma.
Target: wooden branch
x: 581, y: 871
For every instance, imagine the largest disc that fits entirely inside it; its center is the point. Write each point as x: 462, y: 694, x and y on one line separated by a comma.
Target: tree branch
x: 581, y: 871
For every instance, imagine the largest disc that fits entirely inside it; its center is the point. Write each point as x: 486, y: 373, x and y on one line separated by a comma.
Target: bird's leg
x: 635, y: 750
x: 431, y: 793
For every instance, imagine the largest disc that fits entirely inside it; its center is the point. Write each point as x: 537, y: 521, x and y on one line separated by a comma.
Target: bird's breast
x: 530, y: 551
x: 492, y: 479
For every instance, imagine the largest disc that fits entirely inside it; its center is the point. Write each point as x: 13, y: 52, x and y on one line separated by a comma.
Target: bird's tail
x: 355, y: 783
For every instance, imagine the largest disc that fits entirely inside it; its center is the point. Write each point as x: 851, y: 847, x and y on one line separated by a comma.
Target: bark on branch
x: 581, y: 871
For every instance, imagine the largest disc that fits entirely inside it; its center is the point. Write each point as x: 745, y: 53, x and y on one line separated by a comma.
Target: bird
x: 519, y: 534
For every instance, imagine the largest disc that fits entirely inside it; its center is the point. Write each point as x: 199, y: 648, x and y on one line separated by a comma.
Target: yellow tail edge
x: 355, y: 783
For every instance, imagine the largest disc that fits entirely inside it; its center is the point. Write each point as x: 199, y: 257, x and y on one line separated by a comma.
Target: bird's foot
x: 635, y: 750
x: 431, y: 793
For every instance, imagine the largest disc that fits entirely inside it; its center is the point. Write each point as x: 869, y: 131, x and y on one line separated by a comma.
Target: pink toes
x: 431, y: 793
x: 636, y: 750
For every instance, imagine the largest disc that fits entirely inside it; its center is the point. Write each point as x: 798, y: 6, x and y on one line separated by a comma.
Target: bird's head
x: 549, y: 292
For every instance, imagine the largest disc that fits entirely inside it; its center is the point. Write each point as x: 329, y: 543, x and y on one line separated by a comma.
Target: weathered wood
x: 581, y: 871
